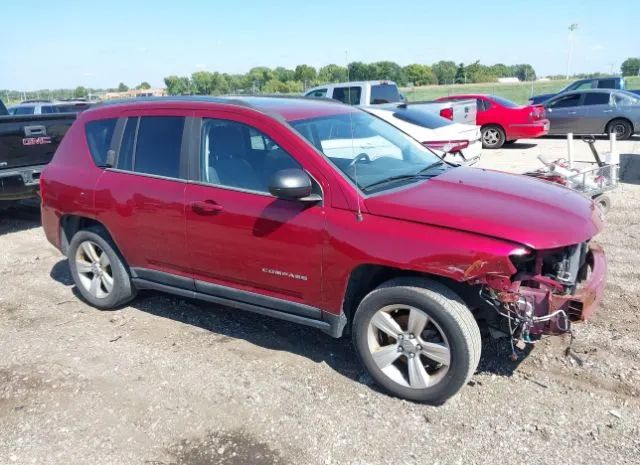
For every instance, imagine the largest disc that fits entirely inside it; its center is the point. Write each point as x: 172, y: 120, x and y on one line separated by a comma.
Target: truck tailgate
x: 31, y: 139
x: 464, y: 111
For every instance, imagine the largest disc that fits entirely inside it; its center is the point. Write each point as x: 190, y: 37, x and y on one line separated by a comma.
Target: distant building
x: 508, y: 80
x: 133, y: 93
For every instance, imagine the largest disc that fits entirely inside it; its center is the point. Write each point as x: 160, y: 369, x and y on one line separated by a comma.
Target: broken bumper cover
x: 578, y: 306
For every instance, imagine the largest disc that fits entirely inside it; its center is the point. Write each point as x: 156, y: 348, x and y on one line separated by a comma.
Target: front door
x: 244, y: 243
x: 562, y: 113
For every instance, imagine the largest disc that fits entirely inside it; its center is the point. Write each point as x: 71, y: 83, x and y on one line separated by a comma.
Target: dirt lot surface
x: 171, y: 381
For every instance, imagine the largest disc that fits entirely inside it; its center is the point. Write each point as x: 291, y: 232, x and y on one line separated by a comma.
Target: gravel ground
x: 171, y: 381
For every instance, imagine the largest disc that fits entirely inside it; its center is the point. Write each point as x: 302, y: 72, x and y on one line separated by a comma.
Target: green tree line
x: 285, y: 80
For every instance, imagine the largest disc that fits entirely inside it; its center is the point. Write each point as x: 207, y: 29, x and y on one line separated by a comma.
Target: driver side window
x: 239, y: 156
x: 567, y: 101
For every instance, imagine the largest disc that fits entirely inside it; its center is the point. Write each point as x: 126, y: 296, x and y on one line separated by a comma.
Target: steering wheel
x: 358, y: 158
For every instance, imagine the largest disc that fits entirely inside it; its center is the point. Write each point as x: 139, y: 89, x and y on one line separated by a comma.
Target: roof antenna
x: 359, y: 216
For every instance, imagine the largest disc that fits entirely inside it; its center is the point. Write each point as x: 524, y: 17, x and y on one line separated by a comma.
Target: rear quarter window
x: 99, y: 134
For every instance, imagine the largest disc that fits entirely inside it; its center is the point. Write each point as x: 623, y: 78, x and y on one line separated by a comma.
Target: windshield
x: 504, y: 102
x: 370, y: 151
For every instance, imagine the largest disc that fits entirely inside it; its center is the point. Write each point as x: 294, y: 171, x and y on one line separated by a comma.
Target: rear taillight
x: 537, y: 113
x: 447, y: 113
x: 447, y: 145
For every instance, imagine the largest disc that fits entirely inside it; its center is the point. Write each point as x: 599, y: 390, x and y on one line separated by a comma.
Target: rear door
x: 244, y: 243
x: 562, y: 113
x: 598, y: 111
x: 142, y: 197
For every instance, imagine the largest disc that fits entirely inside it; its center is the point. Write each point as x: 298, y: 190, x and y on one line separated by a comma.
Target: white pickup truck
x: 366, y: 93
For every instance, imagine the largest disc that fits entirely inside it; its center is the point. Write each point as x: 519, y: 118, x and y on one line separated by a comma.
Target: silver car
x: 595, y: 111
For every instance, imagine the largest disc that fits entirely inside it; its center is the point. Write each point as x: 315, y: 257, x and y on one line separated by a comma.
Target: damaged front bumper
x: 540, y: 305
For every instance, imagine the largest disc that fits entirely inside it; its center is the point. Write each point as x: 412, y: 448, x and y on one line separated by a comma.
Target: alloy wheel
x: 491, y: 136
x: 619, y: 130
x: 94, y: 269
x: 408, y: 346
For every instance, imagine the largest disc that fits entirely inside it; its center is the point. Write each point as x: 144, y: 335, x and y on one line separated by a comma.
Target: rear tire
x: 436, y: 347
x: 493, y: 137
x: 98, y: 270
x: 621, y: 127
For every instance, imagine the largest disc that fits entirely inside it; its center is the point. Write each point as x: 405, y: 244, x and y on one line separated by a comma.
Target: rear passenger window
x: 598, y: 98
x: 158, y: 145
x: 607, y: 83
x: 99, y: 134
x: 348, y: 95
x: 384, y: 93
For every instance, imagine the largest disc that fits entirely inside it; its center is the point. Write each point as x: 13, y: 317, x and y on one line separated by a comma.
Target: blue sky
x: 65, y: 43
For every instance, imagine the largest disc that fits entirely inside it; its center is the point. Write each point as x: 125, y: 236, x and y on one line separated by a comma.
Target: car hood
x: 513, y: 207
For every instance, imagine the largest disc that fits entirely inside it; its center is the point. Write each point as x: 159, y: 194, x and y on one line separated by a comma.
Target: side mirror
x: 292, y: 184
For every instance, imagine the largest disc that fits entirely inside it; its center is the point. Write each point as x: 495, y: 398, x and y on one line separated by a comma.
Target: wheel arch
x: 366, y: 277
x: 619, y: 118
x: 71, y: 224
x: 497, y: 125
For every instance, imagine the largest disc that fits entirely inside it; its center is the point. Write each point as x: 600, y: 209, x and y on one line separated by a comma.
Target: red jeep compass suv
x: 319, y: 213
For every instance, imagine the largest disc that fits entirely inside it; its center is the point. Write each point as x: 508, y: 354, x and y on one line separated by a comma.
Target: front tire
x: 493, y: 137
x: 603, y: 202
x: 622, y: 129
x: 417, y: 339
x: 98, y: 270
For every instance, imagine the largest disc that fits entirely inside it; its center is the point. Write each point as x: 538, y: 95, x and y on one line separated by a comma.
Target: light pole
x: 572, y: 27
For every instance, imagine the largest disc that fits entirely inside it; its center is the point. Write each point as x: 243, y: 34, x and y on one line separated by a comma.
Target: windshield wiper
x: 432, y: 165
x: 419, y: 175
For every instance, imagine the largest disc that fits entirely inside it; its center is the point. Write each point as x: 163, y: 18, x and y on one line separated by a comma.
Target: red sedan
x: 503, y: 121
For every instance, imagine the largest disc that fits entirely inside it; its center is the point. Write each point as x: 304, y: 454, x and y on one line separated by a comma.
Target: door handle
x: 35, y: 131
x: 206, y: 207
x: 607, y: 111
x: 572, y: 112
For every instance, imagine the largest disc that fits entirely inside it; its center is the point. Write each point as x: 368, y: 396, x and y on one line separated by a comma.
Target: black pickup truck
x: 27, y: 144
